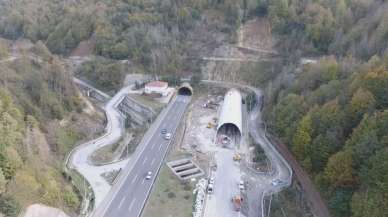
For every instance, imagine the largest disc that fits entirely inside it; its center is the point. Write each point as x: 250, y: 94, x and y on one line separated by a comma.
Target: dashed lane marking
x: 131, y: 205
x: 121, y: 202
x: 134, y: 179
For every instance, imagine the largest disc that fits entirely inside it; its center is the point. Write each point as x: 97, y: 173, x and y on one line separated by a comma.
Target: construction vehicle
x: 237, y: 201
x: 209, y: 125
x: 237, y: 157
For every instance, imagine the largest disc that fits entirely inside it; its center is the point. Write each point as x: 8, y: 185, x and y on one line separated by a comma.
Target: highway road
x: 131, y: 191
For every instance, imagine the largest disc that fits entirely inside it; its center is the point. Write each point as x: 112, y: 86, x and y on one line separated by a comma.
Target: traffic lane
x: 135, y: 171
x: 129, y: 172
x: 141, y: 194
x: 138, y: 196
x: 136, y: 177
x: 131, y: 182
x: 135, y: 193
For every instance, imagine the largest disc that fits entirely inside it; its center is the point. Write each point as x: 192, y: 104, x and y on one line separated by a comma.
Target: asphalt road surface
x: 132, y: 193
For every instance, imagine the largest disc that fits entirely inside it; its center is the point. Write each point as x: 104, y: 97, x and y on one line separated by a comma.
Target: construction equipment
x: 237, y: 201
x: 209, y: 125
x: 237, y: 157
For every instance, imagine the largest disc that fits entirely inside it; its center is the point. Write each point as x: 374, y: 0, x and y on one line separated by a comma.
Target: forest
x: 339, y: 27
x: 154, y: 35
x: 333, y: 114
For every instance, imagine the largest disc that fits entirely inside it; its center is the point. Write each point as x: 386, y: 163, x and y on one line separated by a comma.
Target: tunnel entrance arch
x: 228, y: 133
x: 185, y: 89
x: 229, y: 130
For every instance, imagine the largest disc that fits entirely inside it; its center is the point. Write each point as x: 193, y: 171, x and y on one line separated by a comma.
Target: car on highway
x: 211, y: 180
x: 276, y: 182
x: 149, y: 175
x: 241, y: 185
x: 167, y: 136
x: 164, y: 131
x: 210, y: 188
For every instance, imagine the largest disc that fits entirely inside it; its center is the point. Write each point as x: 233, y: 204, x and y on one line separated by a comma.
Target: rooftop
x: 157, y: 84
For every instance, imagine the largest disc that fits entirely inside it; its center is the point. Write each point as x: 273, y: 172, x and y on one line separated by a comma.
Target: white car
x: 210, y: 188
x: 211, y: 180
x: 241, y: 185
x: 167, y: 136
x: 276, y: 182
x: 149, y: 175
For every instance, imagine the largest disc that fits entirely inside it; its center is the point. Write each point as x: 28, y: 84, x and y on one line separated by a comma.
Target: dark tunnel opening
x: 229, y: 130
x: 185, y: 91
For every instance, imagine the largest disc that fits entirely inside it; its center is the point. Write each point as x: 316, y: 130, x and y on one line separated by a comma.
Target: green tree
x: 287, y: 113
x: 339, y: 171
x: 377, y: 82
x: 9, y: 206
x: 369, y: 203
x: 302, y: 138
x: 362, y: 102
x: 339, y: 202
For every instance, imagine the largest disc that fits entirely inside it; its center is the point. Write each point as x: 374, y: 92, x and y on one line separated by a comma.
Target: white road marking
x: 131, y: 205
x: 153, y: 161
x: 153, y: 145
x: 160, y: 147
x: 142, y: 182
x: 134, y: 179
x: 145, y: 159
x: 121, y: 202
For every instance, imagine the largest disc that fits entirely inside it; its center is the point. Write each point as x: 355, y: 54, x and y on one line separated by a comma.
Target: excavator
x: 237, y: 157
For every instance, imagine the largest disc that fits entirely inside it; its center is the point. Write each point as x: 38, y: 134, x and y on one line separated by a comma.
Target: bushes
x: 9, y: 206
x: 70, y: 198
x: 107, y: 74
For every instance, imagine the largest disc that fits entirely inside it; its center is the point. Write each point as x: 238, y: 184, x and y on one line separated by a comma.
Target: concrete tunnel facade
x: 230, y: 119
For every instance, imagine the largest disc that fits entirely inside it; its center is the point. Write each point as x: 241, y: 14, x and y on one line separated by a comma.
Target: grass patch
x: 148, y: 102
x: 65, y: 140
x: 170, y: 197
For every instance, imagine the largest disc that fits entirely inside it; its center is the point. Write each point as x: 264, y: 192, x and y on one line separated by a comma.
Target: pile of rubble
x: 200, y: 190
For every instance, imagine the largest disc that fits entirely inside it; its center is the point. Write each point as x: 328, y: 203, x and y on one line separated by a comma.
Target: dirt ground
x: 85, y: 48
x: 256, y: 34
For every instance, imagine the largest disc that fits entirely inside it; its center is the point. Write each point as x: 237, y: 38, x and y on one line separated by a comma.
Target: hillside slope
x: 40, y: 121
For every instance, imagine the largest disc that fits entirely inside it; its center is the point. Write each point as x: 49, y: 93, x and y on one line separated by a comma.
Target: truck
x: 237, y: 201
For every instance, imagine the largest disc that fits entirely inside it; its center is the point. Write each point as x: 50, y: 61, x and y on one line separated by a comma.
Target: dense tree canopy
x: 340, y: 135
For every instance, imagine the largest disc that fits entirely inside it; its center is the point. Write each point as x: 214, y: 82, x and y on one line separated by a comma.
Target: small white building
x: 159, y: 87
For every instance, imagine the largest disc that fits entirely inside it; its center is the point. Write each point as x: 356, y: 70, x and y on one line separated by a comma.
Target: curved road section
x: 281, y: 177
x: 131, y: 190
x: 113, y: 132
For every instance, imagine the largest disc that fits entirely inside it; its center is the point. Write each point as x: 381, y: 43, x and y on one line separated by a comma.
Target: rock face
x: 40, y: 210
